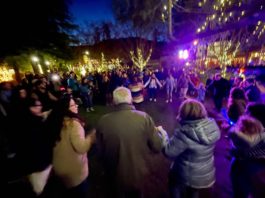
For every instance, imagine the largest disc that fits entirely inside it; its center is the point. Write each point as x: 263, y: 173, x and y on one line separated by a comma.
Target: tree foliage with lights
x: 142, y: 23
x: 141, y: 57
x: 231, y: 28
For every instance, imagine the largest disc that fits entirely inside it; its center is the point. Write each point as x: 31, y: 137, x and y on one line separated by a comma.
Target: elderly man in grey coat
x: 125, y: 138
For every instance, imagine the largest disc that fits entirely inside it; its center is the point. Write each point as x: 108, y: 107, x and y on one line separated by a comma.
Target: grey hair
x: 122, y: 95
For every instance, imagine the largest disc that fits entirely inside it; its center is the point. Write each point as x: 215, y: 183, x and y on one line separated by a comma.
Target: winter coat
x: 248, y: 164
x: 70, y: 161
x: 126, y: 138
x: 192, y: 148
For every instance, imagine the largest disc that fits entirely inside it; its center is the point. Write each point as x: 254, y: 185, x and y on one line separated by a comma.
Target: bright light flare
x: 55, y: 77
x: 183, y: 54
x: 35, y: 59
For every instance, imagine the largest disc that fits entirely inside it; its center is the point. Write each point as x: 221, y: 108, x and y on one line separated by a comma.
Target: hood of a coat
x: 203, y: 131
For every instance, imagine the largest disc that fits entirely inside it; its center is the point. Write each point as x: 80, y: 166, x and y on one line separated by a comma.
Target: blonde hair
x: 249, y: 125
x: 191, y: 110
x: 122, y: 95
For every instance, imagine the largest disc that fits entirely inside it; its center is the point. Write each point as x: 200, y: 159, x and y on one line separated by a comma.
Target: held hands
x: 163, y: 135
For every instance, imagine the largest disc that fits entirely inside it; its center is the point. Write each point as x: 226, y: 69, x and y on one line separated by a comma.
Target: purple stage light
x: 183, y: 54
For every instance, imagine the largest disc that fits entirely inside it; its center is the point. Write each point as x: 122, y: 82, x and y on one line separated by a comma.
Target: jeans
x: 183, y: 92
x: 169, y: 92
x: 152, y: 93
x: 182, y: 191
x: 179, y: 190
x: 87, y: 100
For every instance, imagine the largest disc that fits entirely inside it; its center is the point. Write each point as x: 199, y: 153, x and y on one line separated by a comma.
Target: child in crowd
x: 192, y: 149
x: 170, y: 84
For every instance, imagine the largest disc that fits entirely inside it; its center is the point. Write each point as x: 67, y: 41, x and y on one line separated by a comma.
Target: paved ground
x: 156, y: 185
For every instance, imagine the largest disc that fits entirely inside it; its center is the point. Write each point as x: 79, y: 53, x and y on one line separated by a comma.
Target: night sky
x: 91, y: 10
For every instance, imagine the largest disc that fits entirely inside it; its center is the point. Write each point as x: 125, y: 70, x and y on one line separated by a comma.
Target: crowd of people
x: 42, y: 134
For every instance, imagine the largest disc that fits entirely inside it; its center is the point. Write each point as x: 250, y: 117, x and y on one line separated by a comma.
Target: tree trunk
x: 17, y: 73
x: 170, y: 27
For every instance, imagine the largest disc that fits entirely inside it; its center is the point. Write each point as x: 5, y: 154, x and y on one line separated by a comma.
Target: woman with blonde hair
x: 191, y: 147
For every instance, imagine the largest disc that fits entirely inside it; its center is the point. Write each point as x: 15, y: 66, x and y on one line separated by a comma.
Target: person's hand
x: 162, y: 131
x: 163, y: 135
x: 92, y: 136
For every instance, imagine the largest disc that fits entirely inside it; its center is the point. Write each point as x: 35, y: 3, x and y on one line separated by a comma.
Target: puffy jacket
x: 192, y: 148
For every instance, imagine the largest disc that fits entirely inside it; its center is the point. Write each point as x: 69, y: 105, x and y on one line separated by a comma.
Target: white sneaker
x: 154, y: 100
x: 87, y: 110
x: 150, y: 99
x: 92, y: 109
x: 166, y: 101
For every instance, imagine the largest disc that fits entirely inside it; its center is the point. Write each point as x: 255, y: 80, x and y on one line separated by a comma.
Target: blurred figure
x: 201, y: 92
x: 237, y: 104
x: 34, y: 147
x: 86, y: 94
x: 261, y: 86
x: 170, y: 84
x: 106, y: 90
x: 153, y: 84
x: 248, y: 170
x: 126, y: 138
x: 252, y: 92
x: 257, y: 111
x: 220, y: 87
x: 5, y: 95
x: 183, y: 86
x: 73, y: 84
x: 41, y: 93
x: 191, y: 147
x: 237, y: 82
x: 125, y: 80
x: 136, y: 88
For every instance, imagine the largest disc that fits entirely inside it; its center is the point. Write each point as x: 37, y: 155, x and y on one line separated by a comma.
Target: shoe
x: 92, y: 109
x: 166, y: 101
x: 150, y: 99
x: 87, y: 110
x: 154, y: 100
x: 170, y: 100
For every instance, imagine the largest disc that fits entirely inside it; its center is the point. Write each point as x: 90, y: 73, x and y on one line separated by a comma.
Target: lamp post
x: 34, y: 63
x: 37, y: 68
x: 47, y: 64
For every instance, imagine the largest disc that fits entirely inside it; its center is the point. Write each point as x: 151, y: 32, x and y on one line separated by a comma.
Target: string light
x: 6, y: 74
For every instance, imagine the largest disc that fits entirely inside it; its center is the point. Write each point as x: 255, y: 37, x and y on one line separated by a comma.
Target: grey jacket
x: 192, y: 148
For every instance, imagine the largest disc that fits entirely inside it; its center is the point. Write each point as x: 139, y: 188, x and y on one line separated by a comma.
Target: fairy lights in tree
x: 140, y: 58
x: 6, y: 74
